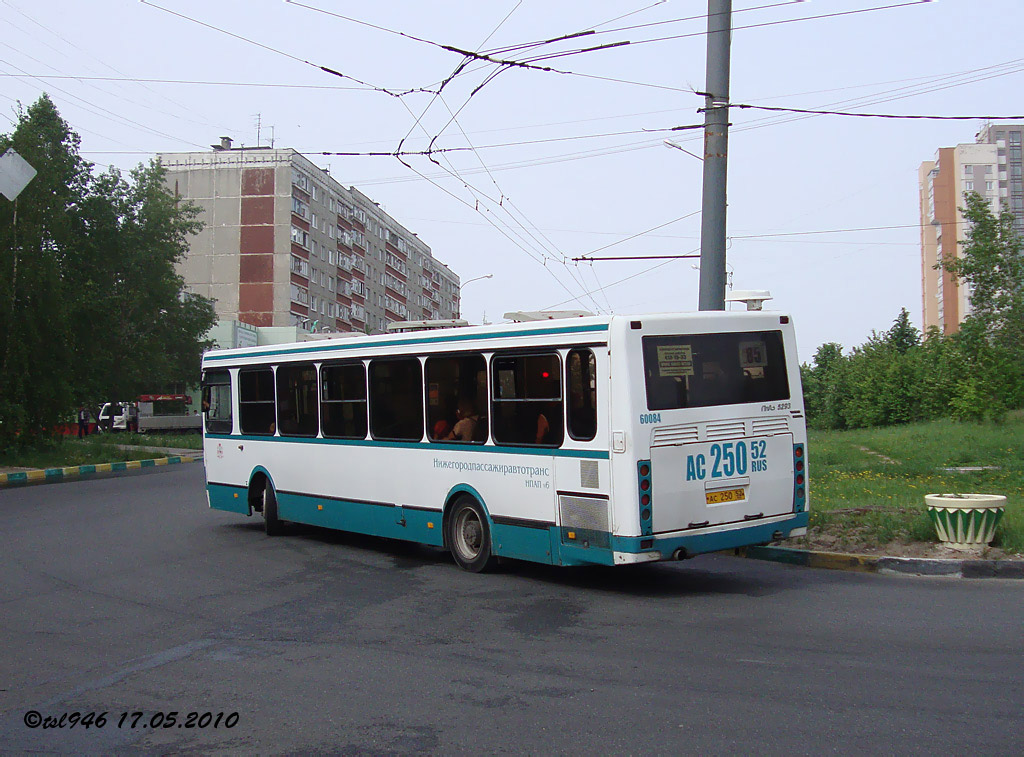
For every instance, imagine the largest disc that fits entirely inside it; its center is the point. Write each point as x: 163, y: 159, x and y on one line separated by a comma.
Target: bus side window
x: 526, y: 396
x: 581, y: 380
x: 457, y: 398
x: 396, y: 399
x: 256, y: 401
x: 343, y: 401
x: 216, y: 402
x: 297, y: 412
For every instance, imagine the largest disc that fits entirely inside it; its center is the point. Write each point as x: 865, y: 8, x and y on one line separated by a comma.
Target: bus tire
x: 271, y: 523
x: 469, y: 536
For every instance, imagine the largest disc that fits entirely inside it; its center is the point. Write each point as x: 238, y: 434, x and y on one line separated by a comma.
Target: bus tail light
x: 799, y: 479
x: 643, y: 470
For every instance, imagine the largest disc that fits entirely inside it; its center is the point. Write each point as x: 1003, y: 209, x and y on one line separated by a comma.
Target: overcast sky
x: 565, y: 164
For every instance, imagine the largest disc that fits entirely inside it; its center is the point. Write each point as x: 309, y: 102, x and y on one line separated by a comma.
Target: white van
x: 118, y: 416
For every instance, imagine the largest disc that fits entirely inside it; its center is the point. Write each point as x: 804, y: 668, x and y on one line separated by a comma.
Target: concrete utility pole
x: 716, y: 153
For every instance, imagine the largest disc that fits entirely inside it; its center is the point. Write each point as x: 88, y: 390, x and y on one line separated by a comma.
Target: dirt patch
x: 880, y: 456
x: 821, y: 542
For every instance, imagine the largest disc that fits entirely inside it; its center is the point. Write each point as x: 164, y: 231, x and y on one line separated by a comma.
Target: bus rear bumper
x: 676, y: 545
x: 632, y: 558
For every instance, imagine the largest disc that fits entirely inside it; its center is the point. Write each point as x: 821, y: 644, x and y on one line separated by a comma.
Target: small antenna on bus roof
x: 444, y: 323
x: 523, y: 316
x: 754, y: 298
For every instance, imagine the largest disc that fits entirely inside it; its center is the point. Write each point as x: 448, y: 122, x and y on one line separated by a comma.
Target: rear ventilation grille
x: 725, y: 430
x: 667, y: 436
x: 768, y: 426
x: 583, y: 513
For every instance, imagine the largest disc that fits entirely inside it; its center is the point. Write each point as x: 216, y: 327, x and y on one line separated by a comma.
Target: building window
x: 300, y: 266
x: 300, y: 295
x: 296, y: 400
x: 300, y: 237
x: 968, y: 171
x: 969, y: 186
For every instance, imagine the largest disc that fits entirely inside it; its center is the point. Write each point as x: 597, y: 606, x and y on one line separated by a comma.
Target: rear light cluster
x: 643, y: 469
x: 799, y: 479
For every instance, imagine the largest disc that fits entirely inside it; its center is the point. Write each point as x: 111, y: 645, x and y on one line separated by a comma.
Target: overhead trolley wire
x: 247, y: 40
x: 852, y: 114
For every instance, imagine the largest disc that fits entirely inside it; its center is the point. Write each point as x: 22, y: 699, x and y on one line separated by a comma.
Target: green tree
x: 903, y: 336
x: 991, y: 264
x: 36, y: 309
x: 825, y: 387
x: 91, y: 307
x: 137, y: 301
x: 878, y: 383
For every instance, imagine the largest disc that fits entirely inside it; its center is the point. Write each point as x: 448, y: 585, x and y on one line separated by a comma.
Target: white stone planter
x: 965, y: 520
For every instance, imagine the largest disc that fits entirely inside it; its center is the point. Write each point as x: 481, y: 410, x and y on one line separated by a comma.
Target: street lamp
x: 462, y: 286
x: 670, y: 143
x: 477, y: 278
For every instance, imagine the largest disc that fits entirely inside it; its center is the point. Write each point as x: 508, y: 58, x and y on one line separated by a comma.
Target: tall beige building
x: 991, y: 166
x: 287, y: 245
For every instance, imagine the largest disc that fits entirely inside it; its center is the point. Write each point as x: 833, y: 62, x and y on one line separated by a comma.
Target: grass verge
x: 867, y: 486
x: 175, y: 441
x: 70, y: 452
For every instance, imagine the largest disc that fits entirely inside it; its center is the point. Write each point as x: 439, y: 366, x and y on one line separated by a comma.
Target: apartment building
x: 992, y: 167
x: 287, y: 245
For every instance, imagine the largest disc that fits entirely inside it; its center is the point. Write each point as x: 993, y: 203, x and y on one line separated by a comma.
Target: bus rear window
x: 703, y: 370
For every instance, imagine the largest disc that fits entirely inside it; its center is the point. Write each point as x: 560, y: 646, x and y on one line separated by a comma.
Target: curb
x: 53, y: 475
x: 913, y: 566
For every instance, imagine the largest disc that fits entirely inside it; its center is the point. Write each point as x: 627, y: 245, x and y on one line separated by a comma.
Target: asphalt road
x: 127, y: 594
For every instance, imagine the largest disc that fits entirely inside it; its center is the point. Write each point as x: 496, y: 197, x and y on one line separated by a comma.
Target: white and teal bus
x: 593, y: 440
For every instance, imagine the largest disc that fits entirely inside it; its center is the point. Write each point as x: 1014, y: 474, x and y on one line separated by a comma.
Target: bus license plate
x: 726, y: 495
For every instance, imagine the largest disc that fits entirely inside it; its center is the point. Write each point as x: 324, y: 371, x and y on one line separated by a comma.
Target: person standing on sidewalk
x: 83, y: 422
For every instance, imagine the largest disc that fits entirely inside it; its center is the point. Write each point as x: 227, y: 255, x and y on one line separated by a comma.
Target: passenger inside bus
x: 466, y: 422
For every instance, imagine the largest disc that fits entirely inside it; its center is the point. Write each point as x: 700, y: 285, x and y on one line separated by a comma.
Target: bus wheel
x: 469, y: 538
x: 271, y: 523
